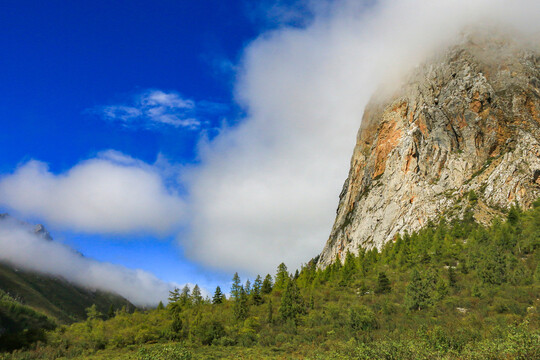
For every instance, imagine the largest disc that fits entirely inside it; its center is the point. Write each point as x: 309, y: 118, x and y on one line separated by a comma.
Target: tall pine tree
x: 218, y: 296
x: 282, y: 276
x: 256, y: 291
x: 267, y: 284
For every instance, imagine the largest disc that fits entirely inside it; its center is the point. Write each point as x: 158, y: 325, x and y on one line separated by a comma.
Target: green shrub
x: 164, y: 352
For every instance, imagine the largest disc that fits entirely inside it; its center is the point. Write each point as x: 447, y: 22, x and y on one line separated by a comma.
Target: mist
x: 22, y: 248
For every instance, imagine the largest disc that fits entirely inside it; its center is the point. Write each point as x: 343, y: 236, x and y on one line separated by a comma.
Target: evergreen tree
x: 247, y: 287
x: 292, y: 303
x: 160, y: 306
x: 235, y: 287
x: 256, y: 291
x: 110, y: 313
x: 240, y: 307
x: 493, y: 269
x: 383, y: 284
x: 185, y: 297
x: 348, y: 269
x: 177, y: 324
x: 267, y: 284
x: 175, y: 308
x: 92, y: 313
x: 452, y: 280
x: 417, y: 295
x: 403, y: 256
x: 269, y: 312
x: 441, y: 288
x: 282, y: 276
x: 218, y: 296
x: 513, y: 215
x: 196, y: 296
x: 174, y: 295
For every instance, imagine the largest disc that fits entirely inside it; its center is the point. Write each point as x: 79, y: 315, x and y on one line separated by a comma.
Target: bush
x: 208, y: 331
x: 164, y: 352
x: 361, y: 318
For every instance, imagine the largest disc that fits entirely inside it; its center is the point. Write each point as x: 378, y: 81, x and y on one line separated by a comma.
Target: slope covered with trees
x: 53, y: 296
x: 454, y: 290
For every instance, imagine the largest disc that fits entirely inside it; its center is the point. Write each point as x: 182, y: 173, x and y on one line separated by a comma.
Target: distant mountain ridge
x: 37, y: 229
x: 52, y: 295
x: 463, y: 132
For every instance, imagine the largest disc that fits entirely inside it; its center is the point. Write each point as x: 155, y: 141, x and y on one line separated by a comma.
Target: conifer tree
x: 247, y: 287
x: 292, y: 303
x: 513, y: 215
x: 110, y: 313
x: 441, y: 288
x: 174, y: 295
x: 267, y: 284
x: 348, y: 269
x: 196, y: 296
x: 493, y: 269
x: 256, y: 291
x: 92, y: 313
x: 451, y: 277
x: 383, y: 284
x: 160, y: 306
x: 218, y: 296
x: 281, y: 277
x: 185, y: 298
x: 417, y: 295
x: 240, y: 307
x: 235, y: 287
x: 177, y: 324
x: 269, y: 312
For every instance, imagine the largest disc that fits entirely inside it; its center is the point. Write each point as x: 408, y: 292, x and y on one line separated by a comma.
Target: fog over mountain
x: 267, y: 190
x: 22, y: 246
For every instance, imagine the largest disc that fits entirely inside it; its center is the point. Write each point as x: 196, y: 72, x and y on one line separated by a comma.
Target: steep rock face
x: 463, y: 131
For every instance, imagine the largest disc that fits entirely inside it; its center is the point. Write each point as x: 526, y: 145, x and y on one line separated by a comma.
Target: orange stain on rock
x: 389, y: 136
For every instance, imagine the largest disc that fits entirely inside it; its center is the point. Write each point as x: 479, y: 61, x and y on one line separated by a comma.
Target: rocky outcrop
x: 463, y: 131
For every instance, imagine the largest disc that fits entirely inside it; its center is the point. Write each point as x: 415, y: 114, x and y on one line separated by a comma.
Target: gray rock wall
x: 465, y: 125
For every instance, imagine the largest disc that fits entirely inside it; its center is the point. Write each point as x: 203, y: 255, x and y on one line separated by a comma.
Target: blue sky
x: 62, y: 59
x: 194, y: 139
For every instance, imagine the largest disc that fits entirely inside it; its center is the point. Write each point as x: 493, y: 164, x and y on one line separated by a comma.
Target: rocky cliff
x: 463, y: 131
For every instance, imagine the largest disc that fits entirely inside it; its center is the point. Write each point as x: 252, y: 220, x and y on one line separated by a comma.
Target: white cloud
x: 267, y: 190
x: 22, y: 248
x: 152, y: 108
x: 112, y: 193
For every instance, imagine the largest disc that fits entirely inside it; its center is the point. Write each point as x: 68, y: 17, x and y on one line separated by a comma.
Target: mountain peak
x: 462, y: 132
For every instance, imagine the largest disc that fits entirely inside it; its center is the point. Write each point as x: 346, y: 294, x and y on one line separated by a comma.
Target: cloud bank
x: 19, y: 246
x: 111, y: 193
x: 267, y: 190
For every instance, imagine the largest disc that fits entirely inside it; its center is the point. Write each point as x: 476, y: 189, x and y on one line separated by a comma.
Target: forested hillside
x: 54, y: 296
x: 455, y: 290
x: 31, y: 303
